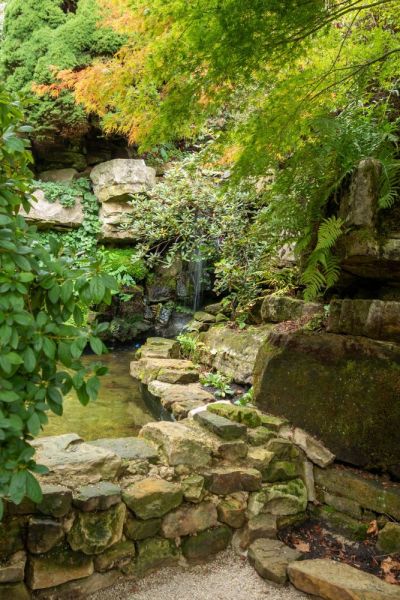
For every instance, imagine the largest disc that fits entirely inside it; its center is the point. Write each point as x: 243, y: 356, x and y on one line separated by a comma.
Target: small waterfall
x: 196, y: 270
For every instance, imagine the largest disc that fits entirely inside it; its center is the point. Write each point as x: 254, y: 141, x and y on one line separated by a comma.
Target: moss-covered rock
x: 232, y: 510
x: 193, y: 488
x: 200, y: 546
x: 260, y: 436
x: 94, y: 532
x: 341, y: 522
x: 389, y: 538
x: 57, y: 567
x: 154, y: 553
x: 14, y: 591
x: 152, y: 498
x: 280, y: 470
x: 329, y: 384
x: 241, y: 414
x: 222, y: 427
x: 116, y: 557
x: 189, y: 519
x: 281, y: 499
x: 370, y: 493
x: 138, y: 529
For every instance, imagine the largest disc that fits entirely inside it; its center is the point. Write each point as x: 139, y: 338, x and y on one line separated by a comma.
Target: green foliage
x: 124, y: 264
x: 219, y: 382
x: 81, y: 242
x: 42, y: 302
x: 246, y: 399
x: 65, y: 193
x: 41, y: 38
x: 190, y: 345
x: 301, y: 93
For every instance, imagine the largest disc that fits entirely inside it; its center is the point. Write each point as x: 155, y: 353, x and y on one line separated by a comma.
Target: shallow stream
x: 119, y: 410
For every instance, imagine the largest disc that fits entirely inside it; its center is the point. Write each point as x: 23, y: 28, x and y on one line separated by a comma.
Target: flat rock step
x: 180, y: 399
x: 128, y: 448
x: 221, y: 426
x: 168, y: 370
x: 271, y: 559
x: 332, y: 580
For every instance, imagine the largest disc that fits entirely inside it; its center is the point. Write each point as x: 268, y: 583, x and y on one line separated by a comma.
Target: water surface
x: 119, y: 410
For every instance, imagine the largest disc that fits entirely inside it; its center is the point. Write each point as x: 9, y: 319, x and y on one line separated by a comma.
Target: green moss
x: 352, y: 528
x: 240, y: 414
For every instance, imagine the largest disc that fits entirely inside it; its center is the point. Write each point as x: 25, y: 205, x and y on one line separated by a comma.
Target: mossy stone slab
x: 152, y: 498
x: 211, y: 541
x: 222, y: 427
x: 94, y: 532
x: 138, y: 529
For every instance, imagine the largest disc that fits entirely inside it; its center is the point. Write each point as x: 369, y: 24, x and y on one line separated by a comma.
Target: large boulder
x: 53, y: 215
x: 342, y: 389
x: 233, y: 352
x: 277, y: 309
x: 118, y: 179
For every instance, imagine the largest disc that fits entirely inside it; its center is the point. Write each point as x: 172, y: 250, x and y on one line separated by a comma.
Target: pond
x: 119, y: 410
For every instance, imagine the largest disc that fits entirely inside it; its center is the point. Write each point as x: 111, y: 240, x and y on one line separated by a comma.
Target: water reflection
x: 119, y: 411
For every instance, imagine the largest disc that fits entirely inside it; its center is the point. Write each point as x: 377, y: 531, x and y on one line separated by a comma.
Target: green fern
x: 323, y: 268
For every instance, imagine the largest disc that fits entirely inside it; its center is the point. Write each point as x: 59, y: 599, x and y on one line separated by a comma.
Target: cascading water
x: 196, y: 271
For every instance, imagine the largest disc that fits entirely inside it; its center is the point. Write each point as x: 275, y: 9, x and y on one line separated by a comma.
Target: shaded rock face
x: 342, y: 389
x: 368, y: 250
x: 115, y: 218
x: 53, y: 215
x: 370, y: 318
x: 277, y: 309
x: 233, y: 352
x: 117, y: 179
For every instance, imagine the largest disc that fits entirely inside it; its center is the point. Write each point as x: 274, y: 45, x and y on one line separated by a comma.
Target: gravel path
x: 226, y: 578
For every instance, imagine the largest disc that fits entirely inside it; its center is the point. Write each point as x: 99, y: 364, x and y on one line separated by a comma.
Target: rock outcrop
x: 53, y: 215
x: 342, y: 389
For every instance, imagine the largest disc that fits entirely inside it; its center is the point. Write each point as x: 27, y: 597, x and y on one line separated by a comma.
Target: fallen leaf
x: 373, y: 528
x: 302, y: 546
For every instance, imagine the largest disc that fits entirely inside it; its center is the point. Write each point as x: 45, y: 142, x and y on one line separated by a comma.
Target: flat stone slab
x: 167, y: 369
x: 99, y: 496
x: 227, y: 480
x: 189, y: 519
x: 156, y: 347
x: 221, y: 426
x: 128, y: 448
x: 170, y: 393
x: 152, y: 498
x: 179, y: 443
x: 71, y: 461
x: 332, y: 580
x: 56, y: 500
x: 271, y: 558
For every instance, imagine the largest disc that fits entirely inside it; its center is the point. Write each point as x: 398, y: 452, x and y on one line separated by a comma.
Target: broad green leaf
x: 33, y: 490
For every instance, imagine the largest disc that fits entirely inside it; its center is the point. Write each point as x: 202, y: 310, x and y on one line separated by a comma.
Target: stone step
x: 271, y: 559
x: 332, y: 580
x: 221, y: 426
x: 168, y: 370
x: 128, y: 448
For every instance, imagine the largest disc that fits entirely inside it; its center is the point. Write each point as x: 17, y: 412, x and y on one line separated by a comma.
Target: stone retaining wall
x: 180, y: 492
